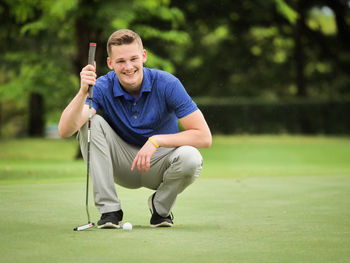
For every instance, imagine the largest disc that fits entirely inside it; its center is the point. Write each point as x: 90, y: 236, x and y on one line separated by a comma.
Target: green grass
x: 259, y: 199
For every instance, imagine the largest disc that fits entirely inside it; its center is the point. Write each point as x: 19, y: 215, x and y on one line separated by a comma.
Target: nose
x: 128, y: 65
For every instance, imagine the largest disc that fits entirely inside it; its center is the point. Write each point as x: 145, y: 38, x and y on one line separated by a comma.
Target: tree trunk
x: 299, y: 56
x: 85, y: 33
x: 299, y: 52
x: 36, y: 115
x: 340, y: 9
x: 0, y: 119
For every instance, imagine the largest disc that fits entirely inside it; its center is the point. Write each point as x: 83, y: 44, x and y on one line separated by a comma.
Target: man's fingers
x: 147, y: 164
x: 88, y: 79
x: 139, y: 164
x: 143, y: 158
x: 90, y: 67
x: 134, y: 164
x: 87, y: 74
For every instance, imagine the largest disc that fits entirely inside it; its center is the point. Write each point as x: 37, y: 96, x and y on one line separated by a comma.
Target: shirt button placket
x: 135, y: 116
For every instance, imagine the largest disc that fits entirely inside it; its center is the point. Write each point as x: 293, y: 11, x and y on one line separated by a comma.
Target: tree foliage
x: 250, y: 48
x: 263, y: 49
x: 47, y: 44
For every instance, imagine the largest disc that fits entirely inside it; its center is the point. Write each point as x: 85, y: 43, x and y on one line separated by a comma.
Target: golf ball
x: 127, y: 226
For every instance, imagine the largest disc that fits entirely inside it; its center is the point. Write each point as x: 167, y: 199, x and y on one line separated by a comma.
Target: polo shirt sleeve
x: 178, y: 99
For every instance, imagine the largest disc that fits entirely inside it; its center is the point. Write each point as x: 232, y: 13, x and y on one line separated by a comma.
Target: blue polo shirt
x: 156, y: 110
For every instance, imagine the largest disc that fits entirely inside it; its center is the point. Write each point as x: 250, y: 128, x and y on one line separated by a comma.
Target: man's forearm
x: 72, y: 117
x: 195, y: 138
x: 196, y: 134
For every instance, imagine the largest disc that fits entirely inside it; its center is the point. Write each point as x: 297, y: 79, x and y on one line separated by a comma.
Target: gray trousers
x: 172, y: 169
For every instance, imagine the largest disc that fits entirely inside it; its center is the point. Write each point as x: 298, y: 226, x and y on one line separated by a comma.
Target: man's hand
x: 87, y: 77
x: 143, y: 157
x: 76, y: 113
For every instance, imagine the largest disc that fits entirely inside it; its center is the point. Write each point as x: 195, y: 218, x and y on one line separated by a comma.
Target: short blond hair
x: 122, y: 37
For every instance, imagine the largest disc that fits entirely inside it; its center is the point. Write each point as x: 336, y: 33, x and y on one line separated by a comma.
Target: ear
x: 109, y: 63
x: 144, y: 56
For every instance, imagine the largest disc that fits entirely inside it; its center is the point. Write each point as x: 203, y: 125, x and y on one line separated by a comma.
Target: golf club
x: 91, y: 59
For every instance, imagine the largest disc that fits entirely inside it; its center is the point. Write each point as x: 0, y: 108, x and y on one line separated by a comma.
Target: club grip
x: 91, y: 60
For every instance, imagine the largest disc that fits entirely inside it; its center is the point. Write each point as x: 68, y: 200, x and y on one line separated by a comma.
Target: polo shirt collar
x: 146, y: 86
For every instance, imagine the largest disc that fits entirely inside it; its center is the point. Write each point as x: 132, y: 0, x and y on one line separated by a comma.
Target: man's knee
x: 189, y: 161
x: 96, y: 123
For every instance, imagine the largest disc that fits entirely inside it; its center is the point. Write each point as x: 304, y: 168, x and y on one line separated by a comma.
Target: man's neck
x: 133, y: 92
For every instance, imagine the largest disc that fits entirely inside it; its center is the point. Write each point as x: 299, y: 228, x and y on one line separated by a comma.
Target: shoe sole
x: 163, y: 224
x: 109, y: 225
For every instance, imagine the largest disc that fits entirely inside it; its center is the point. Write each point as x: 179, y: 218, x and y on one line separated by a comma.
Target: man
x: 137, y: 142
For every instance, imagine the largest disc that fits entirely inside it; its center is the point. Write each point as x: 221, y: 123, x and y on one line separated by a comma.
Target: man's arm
x: 76, y: 113
x: 74, y: 116
x: 196, y: 134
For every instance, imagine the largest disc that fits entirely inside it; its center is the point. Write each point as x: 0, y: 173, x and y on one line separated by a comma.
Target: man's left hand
x: 143, y: 157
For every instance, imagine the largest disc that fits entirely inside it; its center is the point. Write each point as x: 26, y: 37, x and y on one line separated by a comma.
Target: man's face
x: 127, y: 62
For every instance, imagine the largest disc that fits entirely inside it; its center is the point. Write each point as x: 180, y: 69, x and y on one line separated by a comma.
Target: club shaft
x: 91, y: 59
x: 88, y: 162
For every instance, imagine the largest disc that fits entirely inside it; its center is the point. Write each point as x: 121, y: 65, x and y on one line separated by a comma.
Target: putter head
x: 84, y: 227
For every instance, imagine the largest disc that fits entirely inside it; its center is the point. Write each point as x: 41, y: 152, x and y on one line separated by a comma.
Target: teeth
x: 130, y: 73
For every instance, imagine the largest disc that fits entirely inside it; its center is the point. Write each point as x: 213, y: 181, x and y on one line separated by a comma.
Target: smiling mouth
x: 130, y: 73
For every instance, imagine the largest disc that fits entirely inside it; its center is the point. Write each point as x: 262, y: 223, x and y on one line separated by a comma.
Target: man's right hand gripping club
x: 87, y: 77
x: 76, y: 113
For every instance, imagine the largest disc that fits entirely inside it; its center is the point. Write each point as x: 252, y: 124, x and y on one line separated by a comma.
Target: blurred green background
x: 253, y: 67
x: 280, y: 66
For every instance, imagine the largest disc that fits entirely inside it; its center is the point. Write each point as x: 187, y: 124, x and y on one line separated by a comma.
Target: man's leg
x: 183, y: 165
x: 109, y: 157
x: 172, y: 169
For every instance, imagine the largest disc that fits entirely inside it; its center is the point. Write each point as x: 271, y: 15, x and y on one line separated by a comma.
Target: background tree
x: 48, y: 46
x: 266, y: 50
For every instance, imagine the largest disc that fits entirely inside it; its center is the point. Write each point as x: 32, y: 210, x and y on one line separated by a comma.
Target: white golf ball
x: 127, y: 226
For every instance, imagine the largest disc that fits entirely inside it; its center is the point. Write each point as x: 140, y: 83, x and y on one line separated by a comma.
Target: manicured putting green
x: 295, y: 210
